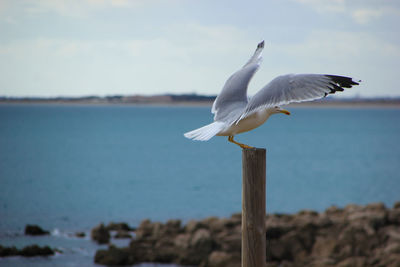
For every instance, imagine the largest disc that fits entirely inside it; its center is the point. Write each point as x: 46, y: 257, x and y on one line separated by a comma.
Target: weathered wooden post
x: 253, y: 207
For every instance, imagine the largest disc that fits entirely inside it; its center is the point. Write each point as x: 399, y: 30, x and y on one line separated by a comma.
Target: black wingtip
x: 261, y: 45
x: 343, y: 81
x: 340, y: 82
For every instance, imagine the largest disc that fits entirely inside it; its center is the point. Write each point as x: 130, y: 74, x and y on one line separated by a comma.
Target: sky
x: 121, y: 47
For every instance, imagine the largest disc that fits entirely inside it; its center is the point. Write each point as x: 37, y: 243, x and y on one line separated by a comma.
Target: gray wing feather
x: 296, y: 88
x: 231, y: 102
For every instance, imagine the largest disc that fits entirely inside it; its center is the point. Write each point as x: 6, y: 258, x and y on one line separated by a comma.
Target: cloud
x: 84, y: 7
x: 167, y: 63
x: 362, y: 12
x: 325, y: 5
x: 360, y: 55
x: 366, y: 15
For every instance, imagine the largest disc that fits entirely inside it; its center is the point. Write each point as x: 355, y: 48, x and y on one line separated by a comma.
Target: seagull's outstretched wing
x: 296, y: 88
x: 230, y: 103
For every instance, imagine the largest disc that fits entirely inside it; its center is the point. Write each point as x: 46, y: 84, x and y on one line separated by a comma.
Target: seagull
x: 235, y: 113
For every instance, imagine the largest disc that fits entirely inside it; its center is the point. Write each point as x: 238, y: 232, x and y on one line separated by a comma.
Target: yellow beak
x: 284, y: 111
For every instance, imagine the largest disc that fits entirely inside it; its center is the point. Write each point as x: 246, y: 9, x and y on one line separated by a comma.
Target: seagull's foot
x: 245, y: 146
x: 230, y: 139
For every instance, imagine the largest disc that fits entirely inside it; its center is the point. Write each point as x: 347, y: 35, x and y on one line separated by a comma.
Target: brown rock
x: 80, y: 234
x: 350, y: 208
x: 114, y: 256
x: 222, y: 259
x: 8, y: 251
x: 230, y: 242
x: 121, y: 234
x: 202, y: 239
x: 217, y: 225
x: 100, y: 234
x: 181, y: 241
x: 112, y: 226
x: 392, y: 260
x: 353, y: 262
x: 379, y: 206
x: 28, y: 251
x: 394, y: 216
x: 35, y: 230
x: 353, y: 236
x: 324, y: 247
x: 192, y: 226
x: 354, y: 242
x: 333, y: 210
x: 145, y: 229
x: 371, y: 218
x: 35, y: 250
x: 173, y: 227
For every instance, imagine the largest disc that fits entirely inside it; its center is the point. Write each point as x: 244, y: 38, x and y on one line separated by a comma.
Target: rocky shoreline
x: 353, y: 236
x: 28, y: 251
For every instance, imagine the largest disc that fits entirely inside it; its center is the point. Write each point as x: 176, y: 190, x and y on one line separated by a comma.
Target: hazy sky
x: 106, y: 47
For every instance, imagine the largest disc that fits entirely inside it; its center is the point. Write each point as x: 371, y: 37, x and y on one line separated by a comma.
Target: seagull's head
x: 277, y: 110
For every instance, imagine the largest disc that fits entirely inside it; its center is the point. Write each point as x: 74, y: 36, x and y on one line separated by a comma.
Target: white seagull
x: 234, y: 113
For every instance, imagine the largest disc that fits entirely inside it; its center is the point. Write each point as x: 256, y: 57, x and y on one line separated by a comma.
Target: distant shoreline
x: 192, y: 100
x: 313, y: 104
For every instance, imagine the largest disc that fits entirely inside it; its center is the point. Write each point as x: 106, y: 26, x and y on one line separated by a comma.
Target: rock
x: 275, y: 232
x: 35, y: 230
x: 371, y: 218
x: 394, y: 216
x: 333, y: 210
x: 202, y: 240
x: 354, y: 241
x: 114, y: 256
x: 181, y: 241
x: 165, y: 251
x: 8, y: 251
x: 335, y: 214
x: 80, y: 234
x: 148, y: 229
x: 119, y: 227
x: 121, y: 234
x: 35, y: 250
x: 324, y: 247
x: 350, y: 208
x: 392, y: 248
x: 143, y: 250
x: 172, y: 227
x: 217, y: 225
x: 192, y: 226
x: 222, y: 259
x: 379, y: 206
x: 28, y: 251
x: 353, y: 262
x: 396, y: 205
x: 392, y: 233
x: 392, y: 260
x: 100, y: 234
x: 293, y: 246
x: 230, y: 242
x: 354, y: 236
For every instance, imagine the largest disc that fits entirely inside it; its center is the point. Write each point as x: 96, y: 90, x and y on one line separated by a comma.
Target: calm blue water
x: 68, y: 168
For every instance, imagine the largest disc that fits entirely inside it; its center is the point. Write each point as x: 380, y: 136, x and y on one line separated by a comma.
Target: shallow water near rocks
x: 68, y: 168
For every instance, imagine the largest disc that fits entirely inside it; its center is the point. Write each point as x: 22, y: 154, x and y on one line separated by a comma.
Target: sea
x: 68, y: 168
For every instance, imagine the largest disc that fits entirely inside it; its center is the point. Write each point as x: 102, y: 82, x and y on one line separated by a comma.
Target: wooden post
x: 253, y: 207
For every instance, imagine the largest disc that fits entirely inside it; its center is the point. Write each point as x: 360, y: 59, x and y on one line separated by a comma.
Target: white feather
x: 206, y: 132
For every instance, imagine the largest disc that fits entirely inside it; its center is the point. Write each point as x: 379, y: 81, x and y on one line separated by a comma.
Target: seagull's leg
x: 230, y: 139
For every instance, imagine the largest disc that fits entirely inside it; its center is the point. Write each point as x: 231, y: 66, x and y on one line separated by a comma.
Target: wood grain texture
x: 253, y: 207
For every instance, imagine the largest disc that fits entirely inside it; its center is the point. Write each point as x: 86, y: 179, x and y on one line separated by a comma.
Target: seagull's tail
x: 206, y: 132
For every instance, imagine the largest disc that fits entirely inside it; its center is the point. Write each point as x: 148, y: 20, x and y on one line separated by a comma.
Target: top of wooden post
x: 254, y: 149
